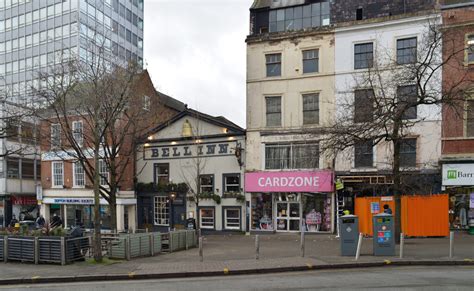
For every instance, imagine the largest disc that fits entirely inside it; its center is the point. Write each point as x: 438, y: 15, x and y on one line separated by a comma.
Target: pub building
x: 192, y: 150
x: 291, y: 201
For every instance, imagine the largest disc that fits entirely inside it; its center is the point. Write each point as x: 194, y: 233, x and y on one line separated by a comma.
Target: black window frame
x: 224, y: 182
x: 212, y: 180
x: 364, y: 154
x: 406, y: 52
x: 363, y: 55
x: 408, y: 152
x: 407, y: 97
x: 363, y: 98
x: 273, y: 64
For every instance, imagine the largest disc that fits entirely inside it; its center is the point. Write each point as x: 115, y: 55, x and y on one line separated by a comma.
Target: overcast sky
x: 195, y: 52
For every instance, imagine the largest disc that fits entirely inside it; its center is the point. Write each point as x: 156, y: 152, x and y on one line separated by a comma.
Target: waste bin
x: 349, y: 234
x: 384, y: 243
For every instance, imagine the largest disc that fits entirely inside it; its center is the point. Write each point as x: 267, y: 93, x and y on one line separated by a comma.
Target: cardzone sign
x: 458, y: 174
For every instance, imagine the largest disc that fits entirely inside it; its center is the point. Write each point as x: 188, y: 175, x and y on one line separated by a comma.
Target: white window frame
x: 233, y: 227
x: 56, y: 175
x: 161, y: 211
x: 103, y: 171
x: 225, y: 176
x: 55, y: 140
x: 78, y: 132
x: 146, y: 102
x: 207, y: 226
x: 76, y: 177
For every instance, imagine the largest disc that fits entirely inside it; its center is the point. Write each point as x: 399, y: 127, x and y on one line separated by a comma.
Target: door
x: 288, y: 216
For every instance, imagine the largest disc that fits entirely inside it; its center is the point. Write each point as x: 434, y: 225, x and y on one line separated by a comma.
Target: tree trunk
x: 113, y: 210
x: 397, y: 182
x: 97, y: 237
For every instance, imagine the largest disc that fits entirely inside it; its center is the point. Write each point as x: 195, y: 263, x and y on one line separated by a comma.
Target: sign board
x: 386, y: 198
x: 39, y: 192
x: 24, y: 200
x: 286, y: 181
x: 458, y: 174
x: 374, y: 207
x: 215, y: 149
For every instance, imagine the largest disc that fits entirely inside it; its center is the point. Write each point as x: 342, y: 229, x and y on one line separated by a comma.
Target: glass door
x: 282, y: 216
x: 288, y: 216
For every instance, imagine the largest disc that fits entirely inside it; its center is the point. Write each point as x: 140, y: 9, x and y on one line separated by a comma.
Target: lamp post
x: 172, y: 197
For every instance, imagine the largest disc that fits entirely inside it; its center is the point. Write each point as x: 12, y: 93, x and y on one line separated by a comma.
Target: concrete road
x: 388, y: 278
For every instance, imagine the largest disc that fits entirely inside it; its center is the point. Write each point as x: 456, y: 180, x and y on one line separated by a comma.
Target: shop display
x: 317, y: 212
x: 262, y: 212
x: 458, y: 211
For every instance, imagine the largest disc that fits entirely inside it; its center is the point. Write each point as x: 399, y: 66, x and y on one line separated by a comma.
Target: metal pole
x: 359, y: 244
x: 63, y: 251
x: 402, y: 244
x: 451, y: 244
x: 302, y: 241
x: 186, y: 238
x: 5, y: 249
x: 127, y: 248
x: 37, y: 250
x: 152, y: 245
x: 200, y: 250
x: 257, y: 247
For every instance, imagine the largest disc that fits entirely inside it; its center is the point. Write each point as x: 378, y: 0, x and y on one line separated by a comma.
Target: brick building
x: 67, y: 191
x: 458, y: 121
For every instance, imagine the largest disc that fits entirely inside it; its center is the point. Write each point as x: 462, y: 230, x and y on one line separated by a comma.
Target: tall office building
x: 36, y: 34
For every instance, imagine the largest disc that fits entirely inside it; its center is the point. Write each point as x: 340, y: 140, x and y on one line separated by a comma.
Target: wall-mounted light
x: 230, y: 138
x: 173, y: 142
x: 225, y: 130
x: 150, y: 137
x: 147, y: 145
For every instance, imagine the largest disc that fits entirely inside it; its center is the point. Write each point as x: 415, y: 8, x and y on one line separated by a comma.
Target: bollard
x: 127, y: 248
x: 186, y: 239
x: 359, y: 245
x: 152, y: 245
x: 257, y: 247
x: 402, y: 244
x: 5, y: 249
x: 63, y: 251
x: 302, y: 243
x: 37, y: 250
x: 451, y: 244
x: 200, y: 250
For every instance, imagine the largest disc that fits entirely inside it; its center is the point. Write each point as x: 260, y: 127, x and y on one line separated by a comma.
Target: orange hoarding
x: 423, y: 215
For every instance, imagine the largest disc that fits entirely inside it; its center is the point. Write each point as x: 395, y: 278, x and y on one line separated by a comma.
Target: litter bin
x: 349, y: 233
x: 384, y: 243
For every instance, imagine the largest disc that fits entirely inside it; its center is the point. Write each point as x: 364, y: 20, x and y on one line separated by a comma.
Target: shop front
x: 291, y: 201
x: 2, y: 212
x: 24, y: 207
x: 458, y: 181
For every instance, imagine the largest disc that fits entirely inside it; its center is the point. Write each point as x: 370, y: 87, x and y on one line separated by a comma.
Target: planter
x: 21, y: 248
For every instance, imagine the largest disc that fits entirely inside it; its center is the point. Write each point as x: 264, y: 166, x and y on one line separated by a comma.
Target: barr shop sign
x: 458, y: 174
x: 189, y: 151
x: 302, y: 181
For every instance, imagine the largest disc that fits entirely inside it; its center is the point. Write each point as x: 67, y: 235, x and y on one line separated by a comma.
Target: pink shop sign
x: 308, y: 181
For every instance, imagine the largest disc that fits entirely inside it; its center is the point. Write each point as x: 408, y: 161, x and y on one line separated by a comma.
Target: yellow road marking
x: 309, y: 266
x: 226, y: 271
x: 131, y: 274
x: 387, y: 262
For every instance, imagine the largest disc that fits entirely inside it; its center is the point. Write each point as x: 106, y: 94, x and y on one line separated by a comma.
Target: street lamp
x: 172, y: 197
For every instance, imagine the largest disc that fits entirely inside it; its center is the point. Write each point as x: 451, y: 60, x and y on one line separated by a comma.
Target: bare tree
x: 383, y: 107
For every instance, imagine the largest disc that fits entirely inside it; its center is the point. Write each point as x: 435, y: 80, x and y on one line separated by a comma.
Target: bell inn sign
x: 214, y: 149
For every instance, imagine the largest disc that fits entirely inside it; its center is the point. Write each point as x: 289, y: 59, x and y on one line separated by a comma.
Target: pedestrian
x: 56, y: 221
x: 386, y: 209
x: 14, y: 221
x: 40, y: 221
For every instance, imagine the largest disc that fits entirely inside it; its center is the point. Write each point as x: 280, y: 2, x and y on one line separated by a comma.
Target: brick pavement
x: 236, y: 252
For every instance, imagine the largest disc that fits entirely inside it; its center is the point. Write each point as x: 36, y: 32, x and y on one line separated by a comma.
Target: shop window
x: 363, y: 55
x: 232, y: 218
x: 162, y: 174
x: 407, y: 99
x: 13, y: 168
x: 406, y: 51
x: 77, y: 130
x: 206, y: 182
x: 470, y: 118
x: 79, y: 177
x: 104, y: 173
x: 273, y: 64
x: 310, y: 61
x: 231, y: 183
x: 316, y: 212
x: 162, y: 210
x: 55, y: 136
x: 363, y: 154
x: 408, y: 153
x: 470, y: 49
x: 262, y: 212
x: 58, y: 174
x: 363, y: 105
x: 206, y: 218
x: 292, y: 156
x: 273, y: 111
x: 311, y: 108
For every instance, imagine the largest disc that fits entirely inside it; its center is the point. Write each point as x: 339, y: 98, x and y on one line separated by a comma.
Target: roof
x: 257, y: 4
x: 171, y: 102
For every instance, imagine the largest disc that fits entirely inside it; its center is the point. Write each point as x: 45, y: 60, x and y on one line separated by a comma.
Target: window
x: 206, y: 183
x: 146, y: 102
x: 363, y: 105
x: 406, y: 51
x: 273, y: 111
x: 79, y: 178
x: 292, y: 156
x: 206, y: 218
x: 231, y: 183
x: 78, y: 132
x: 311, y: 108
x: 232, y: 218
x: 310, y: 61
x: 408, y: 153
x: 55, y: 135
x: 363, y: 55
x: 162, y: 216
x: 296, y: 18
x: 13, y: 168
x: 470, y: 48
x: 363, y: 154
x: 470, y: 118
x: 103, y: 172
x: 28, y: 168
x: 359, y: 14
x: 273, y: 62
x: 162, y: 175
x: 58, y: 174
x: 407, y: 99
